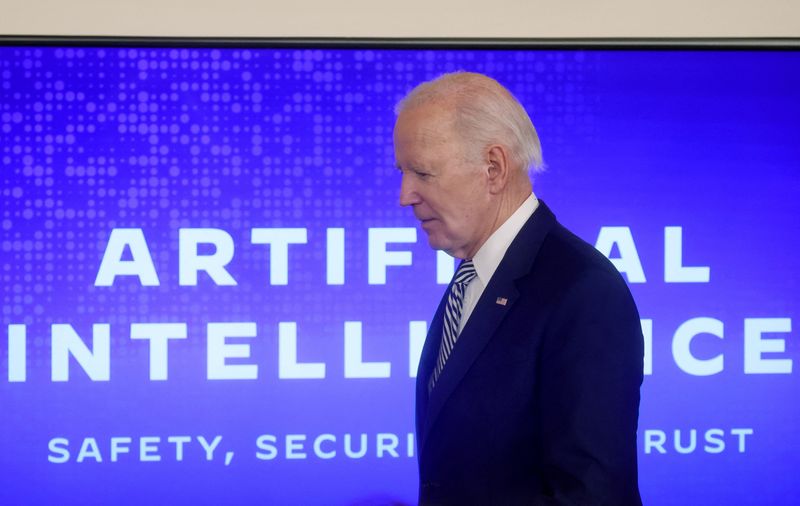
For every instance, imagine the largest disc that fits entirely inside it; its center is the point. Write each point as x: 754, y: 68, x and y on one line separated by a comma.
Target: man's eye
x: 423, y: 175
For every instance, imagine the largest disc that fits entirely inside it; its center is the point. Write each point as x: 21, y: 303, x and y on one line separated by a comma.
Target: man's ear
x: 499, y: 170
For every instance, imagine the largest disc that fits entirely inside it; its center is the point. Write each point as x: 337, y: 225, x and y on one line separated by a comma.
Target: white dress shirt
x: 491, y: 253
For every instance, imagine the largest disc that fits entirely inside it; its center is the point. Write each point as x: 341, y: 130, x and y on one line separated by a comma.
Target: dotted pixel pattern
x: 93, y: 139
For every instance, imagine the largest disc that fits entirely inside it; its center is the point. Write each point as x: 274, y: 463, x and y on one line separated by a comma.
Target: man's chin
x: 435, y: 242
x: 438, y: 244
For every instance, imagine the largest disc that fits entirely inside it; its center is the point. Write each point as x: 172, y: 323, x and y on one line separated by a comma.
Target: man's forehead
x: 427, y: 124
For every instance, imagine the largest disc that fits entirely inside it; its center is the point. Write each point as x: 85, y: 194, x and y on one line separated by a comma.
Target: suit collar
x: 486, y: 317
x: 488, y: 257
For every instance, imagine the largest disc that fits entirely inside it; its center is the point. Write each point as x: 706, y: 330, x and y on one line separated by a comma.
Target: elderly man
x: 528, y: 384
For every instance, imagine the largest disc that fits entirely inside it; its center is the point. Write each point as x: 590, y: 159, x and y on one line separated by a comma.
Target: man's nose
x: 408, y: 195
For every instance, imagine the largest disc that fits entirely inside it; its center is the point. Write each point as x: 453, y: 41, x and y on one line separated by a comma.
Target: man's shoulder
x: 565, y: 260
x: 572, y: 253
x: 546, y: 256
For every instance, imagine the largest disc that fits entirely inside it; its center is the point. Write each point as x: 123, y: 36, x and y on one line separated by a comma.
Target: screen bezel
x: 768, y: 43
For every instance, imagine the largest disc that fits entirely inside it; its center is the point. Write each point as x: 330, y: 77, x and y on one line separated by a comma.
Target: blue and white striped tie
x: 452, y: 317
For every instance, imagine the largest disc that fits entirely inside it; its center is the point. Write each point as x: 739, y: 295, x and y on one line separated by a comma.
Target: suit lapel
x: 482, y: 324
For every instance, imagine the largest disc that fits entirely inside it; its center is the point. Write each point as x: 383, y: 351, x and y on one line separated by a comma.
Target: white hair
x: 484, y: 112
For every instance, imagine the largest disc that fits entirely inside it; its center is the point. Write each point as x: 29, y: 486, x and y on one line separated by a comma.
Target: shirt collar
x: 491, y: 253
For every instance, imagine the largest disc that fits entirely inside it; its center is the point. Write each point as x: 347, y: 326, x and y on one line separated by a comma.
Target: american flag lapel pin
x: 502, y: 301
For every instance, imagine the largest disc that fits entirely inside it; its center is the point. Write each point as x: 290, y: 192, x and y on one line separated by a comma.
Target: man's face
x: 446, y: 190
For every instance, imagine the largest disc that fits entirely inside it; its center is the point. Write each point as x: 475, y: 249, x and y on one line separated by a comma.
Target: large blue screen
x: 210, y: 294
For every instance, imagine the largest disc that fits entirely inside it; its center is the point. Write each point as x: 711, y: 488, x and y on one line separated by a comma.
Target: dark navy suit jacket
x: 538, y: 402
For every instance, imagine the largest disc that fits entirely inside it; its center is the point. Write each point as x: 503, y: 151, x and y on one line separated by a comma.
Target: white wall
x: 404, y: 18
